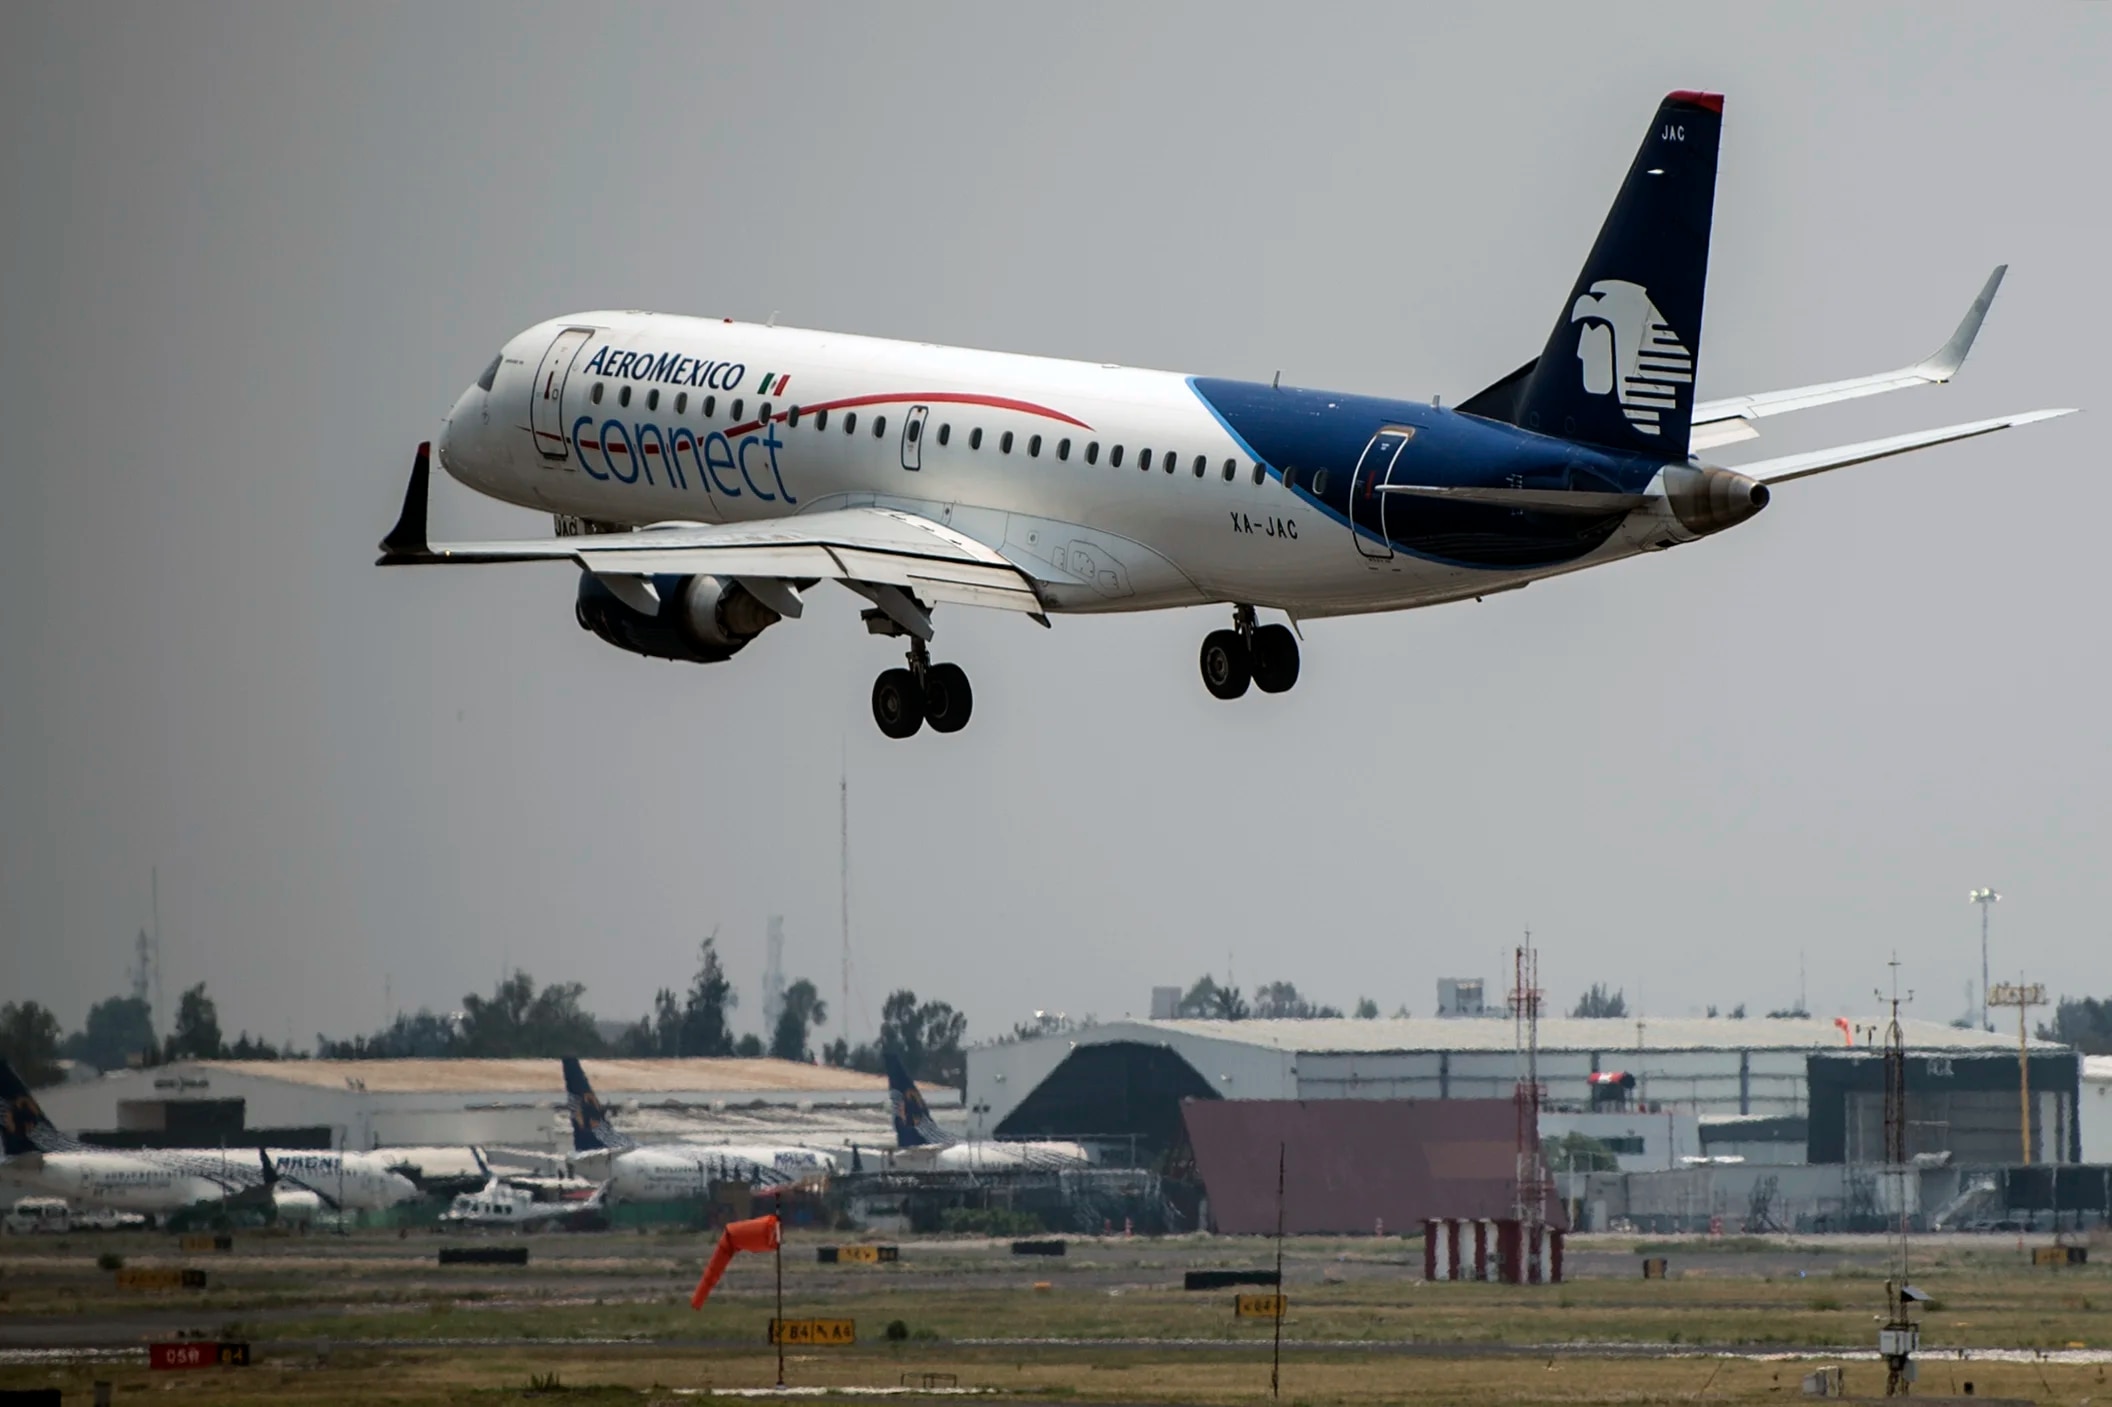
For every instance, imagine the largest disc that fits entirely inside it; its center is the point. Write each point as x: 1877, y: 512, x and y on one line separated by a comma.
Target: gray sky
x: 250, y: 254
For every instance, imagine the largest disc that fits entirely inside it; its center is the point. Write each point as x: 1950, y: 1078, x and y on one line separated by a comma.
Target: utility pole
x: 843, y: 888
x: 2023, y: 997
x: 1986, y: 899
x: 1898, y: 1340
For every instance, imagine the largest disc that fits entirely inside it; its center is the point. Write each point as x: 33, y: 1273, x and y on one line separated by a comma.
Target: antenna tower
x: 1899, y: 1339
x: 1526, y: 998
x: 843, y: 889
x: 773, y: 977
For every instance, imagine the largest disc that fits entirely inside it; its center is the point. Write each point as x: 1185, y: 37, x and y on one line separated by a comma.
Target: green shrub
x: 896, y: 1331
x: 109, y: 1260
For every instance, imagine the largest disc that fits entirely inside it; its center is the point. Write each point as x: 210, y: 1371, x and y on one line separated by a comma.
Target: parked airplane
x: 705, y: 473
x: 666, y: 1172
x: 161, y: 1181
x: 919, y: 1136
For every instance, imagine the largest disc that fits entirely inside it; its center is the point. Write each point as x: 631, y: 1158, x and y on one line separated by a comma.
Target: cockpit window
x: 491, y: 373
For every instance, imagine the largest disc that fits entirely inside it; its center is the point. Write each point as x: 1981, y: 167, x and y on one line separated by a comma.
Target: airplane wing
x: 1818, y: 461
x: 1730, y: 420
x: 881, y: 553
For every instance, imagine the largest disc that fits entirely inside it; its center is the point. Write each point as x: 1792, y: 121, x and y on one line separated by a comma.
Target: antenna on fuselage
x: 773, y: 319
x: 1276, y: 381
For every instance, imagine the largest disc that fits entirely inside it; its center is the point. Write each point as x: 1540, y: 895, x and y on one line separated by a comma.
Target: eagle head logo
x: 1625, y: 348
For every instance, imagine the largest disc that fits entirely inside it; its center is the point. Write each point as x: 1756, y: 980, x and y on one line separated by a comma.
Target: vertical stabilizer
x: 914, y: 1126
x: 1618, y: 369
x: 23, y: 1128
x: 591, y: 1131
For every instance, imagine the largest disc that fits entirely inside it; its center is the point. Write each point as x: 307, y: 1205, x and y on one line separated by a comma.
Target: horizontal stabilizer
x: 1932, y: 370
x: 1818, y: 461
x: 1580, y: 501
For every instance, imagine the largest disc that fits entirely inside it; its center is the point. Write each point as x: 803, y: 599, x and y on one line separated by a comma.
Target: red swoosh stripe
x: 919, y: 398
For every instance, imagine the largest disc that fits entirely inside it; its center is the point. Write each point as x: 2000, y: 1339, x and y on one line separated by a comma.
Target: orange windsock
x: 755, y: 1234
x: 1847, y: 1031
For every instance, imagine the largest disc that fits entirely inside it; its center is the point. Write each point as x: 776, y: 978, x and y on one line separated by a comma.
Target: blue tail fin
x: 1618, y: 370
x: 591, y: 1132
x: 914, y: 1126
x: 23, y: 1127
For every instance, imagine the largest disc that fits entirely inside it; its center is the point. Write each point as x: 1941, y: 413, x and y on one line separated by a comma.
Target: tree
x: 749, y: 1047
x: 1208, y: 1000
x: 925, y: 1036
x: 2085, y: 1023
x: 1600, y: 1002
x: 1282, y: 1001
x: 1580, y: 1152
x: 1367, y: 1009
x: 118, y: 1032
x: 704, y: 1029
x: 29, y: 1041
x: 516, y: 1020
x: 419, y: 1036
x: 803, y: 1010
x: 197, y: 1033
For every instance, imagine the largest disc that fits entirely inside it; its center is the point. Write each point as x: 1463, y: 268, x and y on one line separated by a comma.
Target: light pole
x: 1986, y: 899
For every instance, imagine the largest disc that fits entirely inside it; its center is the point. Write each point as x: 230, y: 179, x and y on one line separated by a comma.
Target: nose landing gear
x: 1264, y: 655
x: 904, y: 700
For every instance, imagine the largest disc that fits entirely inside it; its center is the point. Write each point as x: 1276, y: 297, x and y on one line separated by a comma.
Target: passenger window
x: 763, y: 414
x: 945, y: 433
x: 623, y: 397
x: 737, y: 404
x: 1261, y: 476
x: 1034, y: 448
x: 681, y: 402
x: 821, y: 420
x: 652, y: 399
x: 1200, y: 465
x: 1004, y: 443
x: 975, y: 438
x: 1320, y: 484
x: 491, y: 373
x: 1144, y: 460
x: 1114, y: 457
x: 711, y: 406
x: 1231, y: 468
x: 850, y: 422
x: 916, y: 428
x: 792, y: 416
x: 1092, y: 451
x: 595, y: 395
x: 1063, y: 449
x: 879, y: 426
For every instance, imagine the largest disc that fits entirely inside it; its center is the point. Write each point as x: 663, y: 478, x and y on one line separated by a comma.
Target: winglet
x: 406, y: 541
x: 1944, y: 365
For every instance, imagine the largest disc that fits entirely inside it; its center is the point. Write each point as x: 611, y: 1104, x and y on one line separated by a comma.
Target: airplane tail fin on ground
x: 914, y: 1126
x: 23, y: 1127
x: 1618, y: 369
x: 591, y: 1131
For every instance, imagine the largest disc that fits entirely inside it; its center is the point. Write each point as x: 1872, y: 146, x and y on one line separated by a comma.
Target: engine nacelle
x: 1709, y: 500
x: 702, y: 619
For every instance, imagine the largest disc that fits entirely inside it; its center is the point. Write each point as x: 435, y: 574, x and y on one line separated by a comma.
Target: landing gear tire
x: 947, y: 698
x: 1226, y: 671
x: 898, y: 703
x: 1275, y: 659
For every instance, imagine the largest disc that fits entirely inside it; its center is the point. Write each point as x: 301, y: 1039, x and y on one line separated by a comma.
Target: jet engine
x: 702, y: 619
x: 1709, y: 500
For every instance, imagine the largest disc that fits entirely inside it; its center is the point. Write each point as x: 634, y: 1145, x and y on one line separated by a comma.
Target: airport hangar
x: 1764, y: 1089
x: 501, y: 1103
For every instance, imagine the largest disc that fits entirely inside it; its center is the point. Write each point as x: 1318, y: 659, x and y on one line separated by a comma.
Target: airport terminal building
x: 505, y: 1103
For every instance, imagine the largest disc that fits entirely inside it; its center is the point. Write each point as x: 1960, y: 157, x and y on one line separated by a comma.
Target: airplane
x: 667, y: 1172
x: 163, y: 1181
x: 704, y: 474
x: 920, y: 1142
x: 524, y: 1203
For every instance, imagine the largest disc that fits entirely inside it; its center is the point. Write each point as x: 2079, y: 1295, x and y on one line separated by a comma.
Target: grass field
x: 374, y: 1319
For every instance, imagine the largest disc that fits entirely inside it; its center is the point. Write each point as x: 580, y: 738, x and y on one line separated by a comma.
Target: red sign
x: 198, y: 1354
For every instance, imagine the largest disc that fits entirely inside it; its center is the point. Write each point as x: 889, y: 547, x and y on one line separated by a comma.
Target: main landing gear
x: 904, y: 700
x: 1263, y: 655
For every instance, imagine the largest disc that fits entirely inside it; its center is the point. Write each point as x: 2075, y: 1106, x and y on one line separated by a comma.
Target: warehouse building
x: 508, y: 1103
x: 1120, y: 1084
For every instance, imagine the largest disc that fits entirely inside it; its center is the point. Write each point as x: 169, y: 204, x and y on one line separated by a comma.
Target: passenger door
x: 1367, y: 506
x: 546, y: 405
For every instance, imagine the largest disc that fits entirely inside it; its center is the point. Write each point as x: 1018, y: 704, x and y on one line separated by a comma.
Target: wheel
x: 947, y: 698
x: 898, y: 703
x: 1225, y: 667
x: 1275, y: 659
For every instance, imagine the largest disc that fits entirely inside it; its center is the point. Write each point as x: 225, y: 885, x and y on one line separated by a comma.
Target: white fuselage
x: 668, y: 1172
x: 355, y: 1181
x: 627, y: 419
x: 169, y: 1180
x: 120, y: 1181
